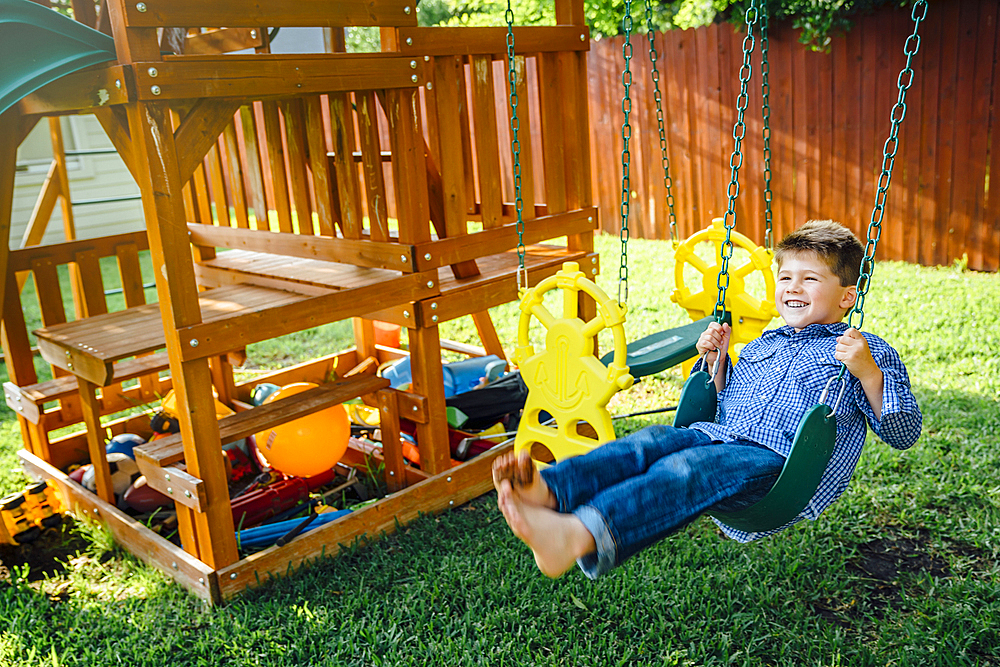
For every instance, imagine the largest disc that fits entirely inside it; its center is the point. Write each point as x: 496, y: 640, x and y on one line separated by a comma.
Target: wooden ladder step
x: 29, y: 400
x: 170, y: 450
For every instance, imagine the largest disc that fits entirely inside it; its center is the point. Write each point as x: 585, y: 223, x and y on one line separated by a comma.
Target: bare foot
x: 555, y: 539
x: 524, y: 479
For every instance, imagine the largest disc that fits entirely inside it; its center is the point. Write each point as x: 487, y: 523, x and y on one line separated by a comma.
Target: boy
x: 603, y: 507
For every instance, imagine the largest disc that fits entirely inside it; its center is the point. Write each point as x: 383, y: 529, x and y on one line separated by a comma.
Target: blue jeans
x: 634, y: 491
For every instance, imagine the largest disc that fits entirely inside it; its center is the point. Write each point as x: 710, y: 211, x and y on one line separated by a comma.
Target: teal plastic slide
x: 39, y: 45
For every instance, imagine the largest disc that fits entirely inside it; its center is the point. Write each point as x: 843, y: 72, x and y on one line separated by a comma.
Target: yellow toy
x: 566, y: 380
x: 750, y: 315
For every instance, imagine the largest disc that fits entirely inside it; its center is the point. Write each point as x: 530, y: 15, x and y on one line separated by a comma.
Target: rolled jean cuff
x: 603, y: 560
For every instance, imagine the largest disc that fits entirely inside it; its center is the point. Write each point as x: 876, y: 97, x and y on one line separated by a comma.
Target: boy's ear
x: 849, y: 298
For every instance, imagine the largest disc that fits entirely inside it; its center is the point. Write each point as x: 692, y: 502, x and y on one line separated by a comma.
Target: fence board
x: 830, y: 119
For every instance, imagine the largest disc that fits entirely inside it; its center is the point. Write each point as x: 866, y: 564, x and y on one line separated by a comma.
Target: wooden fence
x: 830, y: 117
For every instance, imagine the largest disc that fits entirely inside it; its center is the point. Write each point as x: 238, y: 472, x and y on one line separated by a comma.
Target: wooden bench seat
x: 29, y: 400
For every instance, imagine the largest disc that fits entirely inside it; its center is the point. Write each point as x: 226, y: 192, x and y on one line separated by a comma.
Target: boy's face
x: 808, y: 292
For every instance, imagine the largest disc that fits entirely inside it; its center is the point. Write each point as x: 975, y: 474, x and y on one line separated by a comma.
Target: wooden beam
x: 302, y: 13
x: 10, y: 122
x: 223, y: 40
x: 115, y: 124
x: 358, y: 252
x: 199, y: 130
x: 177, y: 290
x: 491, y: 241
x: 439, y: 41
x: 94, y: 88
x: 139, y: 540
x: 256, y: 76
x: 444, y: 491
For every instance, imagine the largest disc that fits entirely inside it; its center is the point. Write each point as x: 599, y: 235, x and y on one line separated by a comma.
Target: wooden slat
x: 217, y: 186
x: 89, y: 266
x: 262, y: 323
x: 346, y: 174
x: 146, y: 545
x: 168, y: 451
x: 487, y: 242
x: 356, y: 252
x: 444, y: 491
x: 409, y: 166
x: 295, y: 146
x: 276, y: 165
x: 302, y: 13
x: 232, y: 170
x: 526, y: 155
x: 319, y: 165
x: 487, y: 152
x: 442, y: 41
x: 252, y: 172
x: 246, y: 76
x: 371, y: 166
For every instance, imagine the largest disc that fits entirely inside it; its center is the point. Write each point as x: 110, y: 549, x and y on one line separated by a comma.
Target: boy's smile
x: 809, y: 292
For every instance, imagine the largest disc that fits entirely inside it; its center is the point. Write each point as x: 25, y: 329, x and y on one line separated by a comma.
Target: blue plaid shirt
x: 781, y: 375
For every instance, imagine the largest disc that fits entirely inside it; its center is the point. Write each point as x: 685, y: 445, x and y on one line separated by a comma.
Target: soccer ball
x: 124, y: 471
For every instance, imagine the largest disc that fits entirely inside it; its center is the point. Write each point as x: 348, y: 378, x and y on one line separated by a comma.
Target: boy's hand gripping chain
x: 566, y: 380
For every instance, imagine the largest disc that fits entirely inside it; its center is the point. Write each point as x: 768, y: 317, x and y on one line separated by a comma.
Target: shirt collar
x: 811, y: 331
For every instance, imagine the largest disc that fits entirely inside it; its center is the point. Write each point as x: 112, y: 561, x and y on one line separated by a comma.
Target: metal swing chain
x: 765, y: 112
x: 626, y: 156
x: 515, y: 147
x: 903, y: 83
x: 736, y: 161
x: 667, y: 181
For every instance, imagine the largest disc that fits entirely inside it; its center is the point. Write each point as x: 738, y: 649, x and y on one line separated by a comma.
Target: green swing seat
x: 811, y: 452
x: 39, y: 45
x: 663, y: 349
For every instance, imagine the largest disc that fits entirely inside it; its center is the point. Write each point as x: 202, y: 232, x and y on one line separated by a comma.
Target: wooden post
x: 161, y: 187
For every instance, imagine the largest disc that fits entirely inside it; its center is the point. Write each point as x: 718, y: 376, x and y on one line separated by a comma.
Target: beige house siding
x: 90, y: 177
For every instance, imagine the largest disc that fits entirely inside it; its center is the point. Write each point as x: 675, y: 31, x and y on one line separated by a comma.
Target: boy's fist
x: 714, y: 338
x: 853, y: 351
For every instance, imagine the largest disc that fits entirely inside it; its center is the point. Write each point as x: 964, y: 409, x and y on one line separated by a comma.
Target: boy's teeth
x: 795, y: 304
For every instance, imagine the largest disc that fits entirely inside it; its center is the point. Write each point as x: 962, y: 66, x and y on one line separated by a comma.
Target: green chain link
x: 765, y: 111
x: 626, y: 156
x: 667, y: 181
x: 515, y: 147
x: 739, y: 132
x: 903, y: 83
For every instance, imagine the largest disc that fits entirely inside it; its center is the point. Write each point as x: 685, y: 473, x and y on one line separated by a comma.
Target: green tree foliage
x: 819, y: 20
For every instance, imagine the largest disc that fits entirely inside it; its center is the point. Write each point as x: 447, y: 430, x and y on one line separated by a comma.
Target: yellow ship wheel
x: 750, y: 315
x: 566, y: 380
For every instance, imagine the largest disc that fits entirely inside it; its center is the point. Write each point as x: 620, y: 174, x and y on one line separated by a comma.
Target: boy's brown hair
x: 832, y: 242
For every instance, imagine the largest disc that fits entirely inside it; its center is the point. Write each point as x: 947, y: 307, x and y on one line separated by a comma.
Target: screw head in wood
x: 427, y: 59
x: 413, y: 64
x: 430, y: 86
x: 232, y: 576
x: 174, y: 565
x: 118, y: 84
x: 141, y: 7
x: 152, y: 72
x: 583, y: 37
x: 167, y: 477
x: 434, y: 318
x: 253, y: 34
x: 414, y: 78
x: 406, y: 313
x: 430, y: 283
x: 170, y: 491
x: 449, y: 479
x: 409, y: 41
x: 194, y: 342
x: 187, y: 494
x: 406, y: 10
x: 427, y: 256
x: 402, y: 258
x: 155, y: 90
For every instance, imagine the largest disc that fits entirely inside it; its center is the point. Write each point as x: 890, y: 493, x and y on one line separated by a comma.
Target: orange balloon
x: 308, y: 445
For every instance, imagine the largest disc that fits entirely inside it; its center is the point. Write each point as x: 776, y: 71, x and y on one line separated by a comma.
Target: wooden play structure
x: 364, y: 186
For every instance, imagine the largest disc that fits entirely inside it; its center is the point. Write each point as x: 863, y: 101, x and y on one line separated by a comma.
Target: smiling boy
x: 601, y: 508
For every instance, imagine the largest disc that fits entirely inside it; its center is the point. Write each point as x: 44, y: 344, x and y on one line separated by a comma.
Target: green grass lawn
x: 903, y: 570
